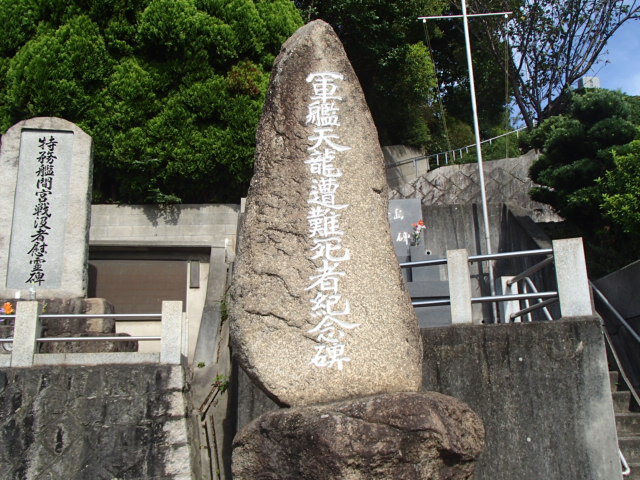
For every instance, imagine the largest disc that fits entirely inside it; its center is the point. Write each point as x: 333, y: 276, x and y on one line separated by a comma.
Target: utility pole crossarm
x: 441, y: 17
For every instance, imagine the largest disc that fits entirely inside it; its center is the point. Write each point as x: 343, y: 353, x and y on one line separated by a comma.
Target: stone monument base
x: 409, y: 436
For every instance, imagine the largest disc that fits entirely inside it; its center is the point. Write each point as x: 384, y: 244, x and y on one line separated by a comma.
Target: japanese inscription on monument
x: 324, y: 224
x: 40, y: 211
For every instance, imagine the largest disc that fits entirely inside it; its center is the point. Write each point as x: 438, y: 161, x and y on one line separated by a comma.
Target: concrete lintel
x: 459, y: 285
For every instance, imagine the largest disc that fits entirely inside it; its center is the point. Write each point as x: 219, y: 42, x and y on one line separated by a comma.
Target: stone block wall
x: 101, y: 422
x: 506, y: 181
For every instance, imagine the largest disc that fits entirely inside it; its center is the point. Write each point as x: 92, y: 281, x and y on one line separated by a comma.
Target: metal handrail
x: 424, y: 263
x: 532, y: 308
x: 95, y: 339
x: 480, y: 258
x: 533, y: 287
x: 495, y: 298
x: 516, y: 296
x: 431, y: 303
x: 626, y: 469
x: 453, y: 151
x: 518, y: 254
x: 530, y: 271
x: 120, y: 316
x: 615, y: 312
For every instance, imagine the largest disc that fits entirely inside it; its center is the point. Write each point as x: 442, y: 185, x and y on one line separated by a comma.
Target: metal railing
x: 450, y: 156
x: 626, y: 469
x: 570, y: 280
x: 22, y: 343
x: 544, y: 298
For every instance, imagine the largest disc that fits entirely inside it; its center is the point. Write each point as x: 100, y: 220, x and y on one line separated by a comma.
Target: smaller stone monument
x: 46, y: 166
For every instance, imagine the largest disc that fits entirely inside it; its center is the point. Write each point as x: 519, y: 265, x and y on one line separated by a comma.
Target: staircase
x: 627, y: 424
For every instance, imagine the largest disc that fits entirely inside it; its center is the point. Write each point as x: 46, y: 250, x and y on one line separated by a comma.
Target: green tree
x: 170, y: 90
x: 493, y: 91
x: 621, y: 190
x: 385, y: 44
x: 585, y: 170
x: 552, y: 45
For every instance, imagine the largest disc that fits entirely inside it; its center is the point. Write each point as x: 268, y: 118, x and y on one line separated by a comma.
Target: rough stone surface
x: 506, y: 181
x: 270, y: 299
x: 103, y: 423
x: 407, y: 436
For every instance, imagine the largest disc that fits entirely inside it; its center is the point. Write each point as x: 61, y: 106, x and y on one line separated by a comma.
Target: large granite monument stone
x: 319, y: 311
x: 46, y: 165
x: 320, y: 316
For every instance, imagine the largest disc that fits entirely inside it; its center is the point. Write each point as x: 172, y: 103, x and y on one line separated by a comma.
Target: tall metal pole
x: 476, y: 129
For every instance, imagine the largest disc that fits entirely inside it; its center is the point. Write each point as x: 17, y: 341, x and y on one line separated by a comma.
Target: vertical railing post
x: 459, y: 285
x: 512, y: 306
x: 25, y: 332
x: 172, y: 338
x: 573, y: 283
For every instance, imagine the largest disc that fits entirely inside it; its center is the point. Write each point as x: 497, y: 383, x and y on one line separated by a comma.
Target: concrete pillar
x: 459, y: 286
x: 574, y: 291
x: 27, y: 328
x: 172, y: 338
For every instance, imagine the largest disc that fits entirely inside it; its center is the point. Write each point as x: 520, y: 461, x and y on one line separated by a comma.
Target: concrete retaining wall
x: 157, y: 225
x: 542, y: 390
x: 103, y: 423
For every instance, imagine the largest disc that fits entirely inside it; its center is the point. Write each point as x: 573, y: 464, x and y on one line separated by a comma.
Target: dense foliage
x: 588, y: 170
x: 170, y: 90
x: 406, y: 67
x: 384, y: 42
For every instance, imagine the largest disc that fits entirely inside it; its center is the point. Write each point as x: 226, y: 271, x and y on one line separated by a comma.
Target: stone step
x: 630, y: 448
x: 621, y: 402
x: 628, y: 424
x: 613, y: 380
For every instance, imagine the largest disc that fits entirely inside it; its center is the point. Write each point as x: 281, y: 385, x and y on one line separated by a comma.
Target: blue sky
x: 622, y: 72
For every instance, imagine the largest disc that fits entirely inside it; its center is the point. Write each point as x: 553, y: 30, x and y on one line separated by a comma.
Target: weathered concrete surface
x: 506, y: 181
x: 542, y: 391
x: 102, y: 423
x: 408, y: 436
x: 164, y: 225
x: 273, y: 292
